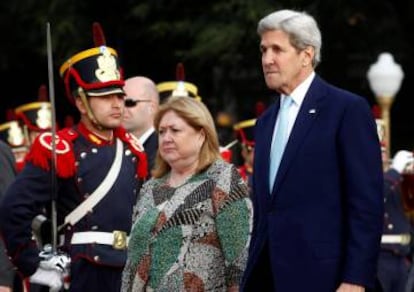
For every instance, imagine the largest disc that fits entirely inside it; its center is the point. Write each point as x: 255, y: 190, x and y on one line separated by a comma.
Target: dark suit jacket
x: 323, y: 220
x: 151, y: 147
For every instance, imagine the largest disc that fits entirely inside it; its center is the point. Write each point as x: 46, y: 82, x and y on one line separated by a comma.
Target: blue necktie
x: 280, y: 137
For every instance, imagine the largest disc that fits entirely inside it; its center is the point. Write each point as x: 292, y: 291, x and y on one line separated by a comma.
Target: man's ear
x: 309, y: 53
x: 151, y: 108
x: 79, y: 104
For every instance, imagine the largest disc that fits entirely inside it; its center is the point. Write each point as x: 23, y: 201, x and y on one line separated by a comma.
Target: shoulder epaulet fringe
x: 41, y: 152
x: 137, y: 149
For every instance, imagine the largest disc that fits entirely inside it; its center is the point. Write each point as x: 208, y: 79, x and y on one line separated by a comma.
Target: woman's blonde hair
x: 196, y: 114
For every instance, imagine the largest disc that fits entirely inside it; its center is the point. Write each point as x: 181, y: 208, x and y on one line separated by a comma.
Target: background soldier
x: 12, y: 133
x: 244, y: 134
x: 393, y: 262
x: 179, y: 87
x: 97, y: 166
x: 36, y: 117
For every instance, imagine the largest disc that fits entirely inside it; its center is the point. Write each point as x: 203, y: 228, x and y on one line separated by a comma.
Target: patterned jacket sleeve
x: 234, y: 221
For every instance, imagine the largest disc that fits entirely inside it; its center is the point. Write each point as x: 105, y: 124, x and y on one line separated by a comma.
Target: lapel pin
x: 312, y: 111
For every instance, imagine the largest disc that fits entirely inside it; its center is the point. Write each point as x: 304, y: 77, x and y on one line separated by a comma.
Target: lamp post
x: 385, y: 78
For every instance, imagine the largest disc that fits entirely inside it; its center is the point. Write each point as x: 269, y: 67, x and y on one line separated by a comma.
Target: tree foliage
x: 216, y: 41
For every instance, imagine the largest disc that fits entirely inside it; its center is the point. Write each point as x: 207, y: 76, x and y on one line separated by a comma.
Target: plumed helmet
x: 14, y: 135
x: 36, y: 116
x: 96, y: 70
x: 244, y: 132
x: 180, y: 87
x: 12, y: 131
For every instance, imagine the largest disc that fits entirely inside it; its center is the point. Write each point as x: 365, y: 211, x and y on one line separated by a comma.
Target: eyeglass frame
x: 129, y: 102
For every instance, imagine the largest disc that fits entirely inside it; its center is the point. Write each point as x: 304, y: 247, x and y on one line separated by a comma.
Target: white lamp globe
x: 385, y: 76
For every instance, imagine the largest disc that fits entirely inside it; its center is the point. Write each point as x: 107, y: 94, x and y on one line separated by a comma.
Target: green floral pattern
x: 191, y: 238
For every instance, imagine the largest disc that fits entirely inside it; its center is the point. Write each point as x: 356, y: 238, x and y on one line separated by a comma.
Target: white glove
x: 48, y: 277
x: 51, y: 272
x: 59, y: 262
x: 401, y: 160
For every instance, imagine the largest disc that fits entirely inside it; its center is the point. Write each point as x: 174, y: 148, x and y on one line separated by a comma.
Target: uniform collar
x: 93, y: 137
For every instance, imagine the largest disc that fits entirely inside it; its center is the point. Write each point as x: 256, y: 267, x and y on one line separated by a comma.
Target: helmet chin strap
x: 89, y: 112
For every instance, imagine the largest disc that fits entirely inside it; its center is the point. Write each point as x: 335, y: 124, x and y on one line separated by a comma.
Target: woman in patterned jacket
x: 193, y: 219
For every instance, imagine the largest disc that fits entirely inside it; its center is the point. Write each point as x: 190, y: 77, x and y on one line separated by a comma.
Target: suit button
x: 96, y: 258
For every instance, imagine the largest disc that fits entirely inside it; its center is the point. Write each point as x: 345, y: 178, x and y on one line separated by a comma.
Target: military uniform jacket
x: 395, y: 220
x: 82, y: 161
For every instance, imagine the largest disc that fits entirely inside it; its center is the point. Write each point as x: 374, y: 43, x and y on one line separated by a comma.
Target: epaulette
x: 135, y: 146
x: 41, y: 152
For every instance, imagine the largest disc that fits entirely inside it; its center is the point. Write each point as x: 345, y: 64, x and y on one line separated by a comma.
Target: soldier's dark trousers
x: 86, y: 276
x: 392, y: 271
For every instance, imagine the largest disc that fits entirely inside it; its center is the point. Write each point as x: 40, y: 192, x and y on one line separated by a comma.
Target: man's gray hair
x: 301, y: 28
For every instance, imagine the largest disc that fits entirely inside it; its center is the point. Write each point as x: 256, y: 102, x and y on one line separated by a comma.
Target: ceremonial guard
x: 224, y: 125
x: 12, y: 133
x: 244, y: 134
x: 179, y: 87
x: 24, y: 124
x: 393, y: 262
x: 99, y: 169
x: 36, y: 117
x: 395, y: 242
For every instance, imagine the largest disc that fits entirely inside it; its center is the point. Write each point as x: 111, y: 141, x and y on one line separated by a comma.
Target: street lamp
x: 385, y: 78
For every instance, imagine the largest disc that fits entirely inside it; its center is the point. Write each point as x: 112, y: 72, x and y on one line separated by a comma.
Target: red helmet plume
x: 179, y: 73
x: 98, y: 35
x: 42, y: 94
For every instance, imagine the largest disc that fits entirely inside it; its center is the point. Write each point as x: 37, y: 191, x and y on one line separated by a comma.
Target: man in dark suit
x: 318, y: 217
x: 141, y: 104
